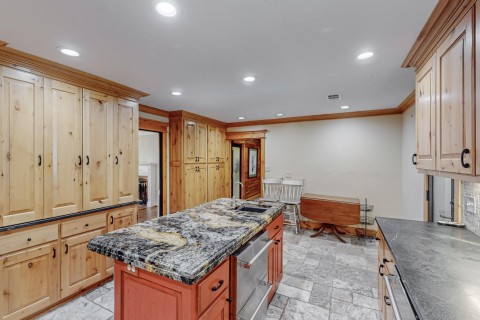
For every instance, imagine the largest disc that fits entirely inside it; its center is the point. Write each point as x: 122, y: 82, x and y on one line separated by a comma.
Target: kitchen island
x: 438, y: 266
x: 179, y: 265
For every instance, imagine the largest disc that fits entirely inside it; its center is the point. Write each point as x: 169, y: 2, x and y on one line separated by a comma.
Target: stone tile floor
x: 323, y: 279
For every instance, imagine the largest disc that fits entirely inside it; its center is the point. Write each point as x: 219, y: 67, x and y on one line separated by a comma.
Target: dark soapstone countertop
x: 186, y: 245
x: 439, y: 267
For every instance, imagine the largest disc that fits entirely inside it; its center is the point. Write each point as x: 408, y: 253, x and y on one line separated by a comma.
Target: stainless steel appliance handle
x: 261, y: 302
x: 248, y: 265
x: 392, y: 298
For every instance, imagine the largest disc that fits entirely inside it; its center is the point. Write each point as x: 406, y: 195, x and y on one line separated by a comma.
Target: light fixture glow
x: 345, y: 107
x: 249, y: 79
x: 241, y: 118
x: 176, y: 93
x: 279, y: 114
x: 68, y: 52
x: 166, y: 9
x: 365, y: 55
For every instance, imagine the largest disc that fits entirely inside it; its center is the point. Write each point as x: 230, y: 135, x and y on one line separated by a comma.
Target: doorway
x: 236, y: 170
x: 149, y: 174
x: 441, y: 199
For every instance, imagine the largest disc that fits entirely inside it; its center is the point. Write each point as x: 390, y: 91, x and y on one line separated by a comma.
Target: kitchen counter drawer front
x: 275, y: 226
x: 73, y: 227
x: 213, y: 286
x: 27, y: 239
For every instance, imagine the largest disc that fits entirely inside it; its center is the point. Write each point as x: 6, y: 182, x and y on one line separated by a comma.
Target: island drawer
x: 213, y: 286
x: 27, y: 239
x: 275, y: 226
x: 78, y: 226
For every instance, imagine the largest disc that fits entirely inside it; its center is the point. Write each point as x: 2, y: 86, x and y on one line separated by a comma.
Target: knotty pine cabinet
x: 199, y: 160
x: 21, y: 138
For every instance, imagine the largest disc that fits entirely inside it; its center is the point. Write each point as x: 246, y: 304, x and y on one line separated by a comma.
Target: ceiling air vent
x: 333, y: 97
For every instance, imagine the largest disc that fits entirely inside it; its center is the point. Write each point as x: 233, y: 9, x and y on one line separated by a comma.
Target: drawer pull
x: 30, y: 264
x: 111, y: 219
x: 116, y: 159
x: 277, y: 227
x: 462, y: 158
x: 66, y: 248
x: 29, y: 239
x: 414, y: 159
x: 220, y: 284
x: 86, y: 224
x: 387, y: 300
x: 380, y: 267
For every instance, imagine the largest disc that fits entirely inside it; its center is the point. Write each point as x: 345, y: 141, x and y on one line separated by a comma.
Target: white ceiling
x: 299, y: 50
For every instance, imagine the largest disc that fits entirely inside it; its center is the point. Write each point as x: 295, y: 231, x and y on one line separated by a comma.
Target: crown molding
x: 155, y: 111
x: 196, y: 117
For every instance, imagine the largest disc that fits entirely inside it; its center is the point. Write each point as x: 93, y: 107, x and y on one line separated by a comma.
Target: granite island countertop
x: 186, y: 245
x: 439, y: 267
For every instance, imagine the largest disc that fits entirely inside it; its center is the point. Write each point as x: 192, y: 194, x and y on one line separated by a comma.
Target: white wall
x: 149, y: 153
x: 412, y: 181
x: 358, y: 157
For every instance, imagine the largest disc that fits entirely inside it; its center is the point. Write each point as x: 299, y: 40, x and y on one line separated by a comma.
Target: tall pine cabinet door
x: 425, y: 116
x: 455, y: 121
x: 201, y: 179
x: 221, y: 137
x: 125, y: 162
x: 202, y: 143
x: 212, y: 144
x: 212, y: 181
x: 220, y: 186
x: 97, y: 150
x: 189, y: 142
x: 190, y: 196
x: 21, y: 146
x: 63, y: 148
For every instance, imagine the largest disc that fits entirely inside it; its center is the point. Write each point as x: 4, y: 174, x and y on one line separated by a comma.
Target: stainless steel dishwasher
x: 250, y: 280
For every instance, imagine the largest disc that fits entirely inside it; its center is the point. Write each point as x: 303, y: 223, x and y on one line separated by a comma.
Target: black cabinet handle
x: 88, y: 160
x: 54, y: 252
x: 387, y: 300
x: 414, y: 159
x: 229, y: 300
x: 39, y: 160
x: 116, y: 159
x: 66, y: 248
x: 380, y: 267
x: 29, y: 239
x: 462, y: 158
x: 111, y: 219
x: 385, y: 260
x: 79, y: 160
x: 220, y: 284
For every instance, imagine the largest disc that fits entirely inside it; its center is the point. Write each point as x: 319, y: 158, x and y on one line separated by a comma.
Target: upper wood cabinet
x: 425, y: 116
x: 21, y: 143
x: 195, y: 142
x: 216, y: 144
x: 97, y: 150
x: 455, y: 92
x: 63, y: 148
x: 125, y: 151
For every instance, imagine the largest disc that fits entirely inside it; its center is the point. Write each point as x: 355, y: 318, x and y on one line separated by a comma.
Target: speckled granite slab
x: 439, y: 267
x: 186, y: 245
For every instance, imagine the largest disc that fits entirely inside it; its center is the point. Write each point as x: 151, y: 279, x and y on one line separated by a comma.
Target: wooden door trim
x: 27, y: 62
x: 158, y: 126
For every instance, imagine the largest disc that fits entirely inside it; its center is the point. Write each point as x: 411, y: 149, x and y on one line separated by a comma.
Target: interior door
x: 21, y: 134
x: 125, y: 151
x: 236, y: 170
x: 63, y: 148
x: 425, y: 116
x: 455, y: 100
x: 97, y: 150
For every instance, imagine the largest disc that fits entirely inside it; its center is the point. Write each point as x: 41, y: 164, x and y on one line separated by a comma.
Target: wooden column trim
x: 155, y: 111
x: 153, y: 125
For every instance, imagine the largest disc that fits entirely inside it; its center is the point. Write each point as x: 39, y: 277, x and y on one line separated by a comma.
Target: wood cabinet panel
x: 201, y: 183
x: 216, y: 144
x: 275, y: 254
x: 21, y: 138
x: 201, y: 142
x: 97, y: 149
x: 190, y: 193
x: 63, y: 148
x: 119, y: 219
x: 213, y: 286
x: 216, y: 181
x: 426, y: 116
x: 455, y: 100
x: 82, y: 225
x: 28, y: 281
x: 80, y: 267
x: 125, y: 151
x: 28, y: 239
x: 189, y: 141
x: 219, y: 310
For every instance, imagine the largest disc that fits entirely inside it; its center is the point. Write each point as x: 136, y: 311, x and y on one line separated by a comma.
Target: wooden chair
x: 291, y: 194
x: 272, y: 189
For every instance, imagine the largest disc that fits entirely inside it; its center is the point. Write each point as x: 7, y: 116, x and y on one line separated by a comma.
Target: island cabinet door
x: 272, y: 273
x: 279, y: 258
x: 21, y: 147
x: 219, y: 310
x: 63, y: 148
x: 80, y: 267
x: 455, y: 104
x: 97, y: 150
x: 28, y: 281
x: 125, y: 151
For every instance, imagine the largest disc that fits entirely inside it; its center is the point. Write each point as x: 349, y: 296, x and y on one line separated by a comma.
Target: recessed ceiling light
x: 344, y: 107
x: 176, y: 93
x: 249, y: 79
x: 241, y: 118
x: 365, y: 55
x: 166, y: 9
x: 279, y: 114
x: 68, y: 52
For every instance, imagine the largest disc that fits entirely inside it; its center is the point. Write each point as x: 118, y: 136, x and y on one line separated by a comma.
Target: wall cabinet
x: 21, y: 143
x: 216, y: 144
x: 28, y: 281
x: 195, y: 142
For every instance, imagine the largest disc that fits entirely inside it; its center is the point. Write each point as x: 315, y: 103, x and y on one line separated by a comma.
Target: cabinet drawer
x: 27, y: 239
x: 77, y: 226
x: 275, y: 226
x: 213, y: 286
